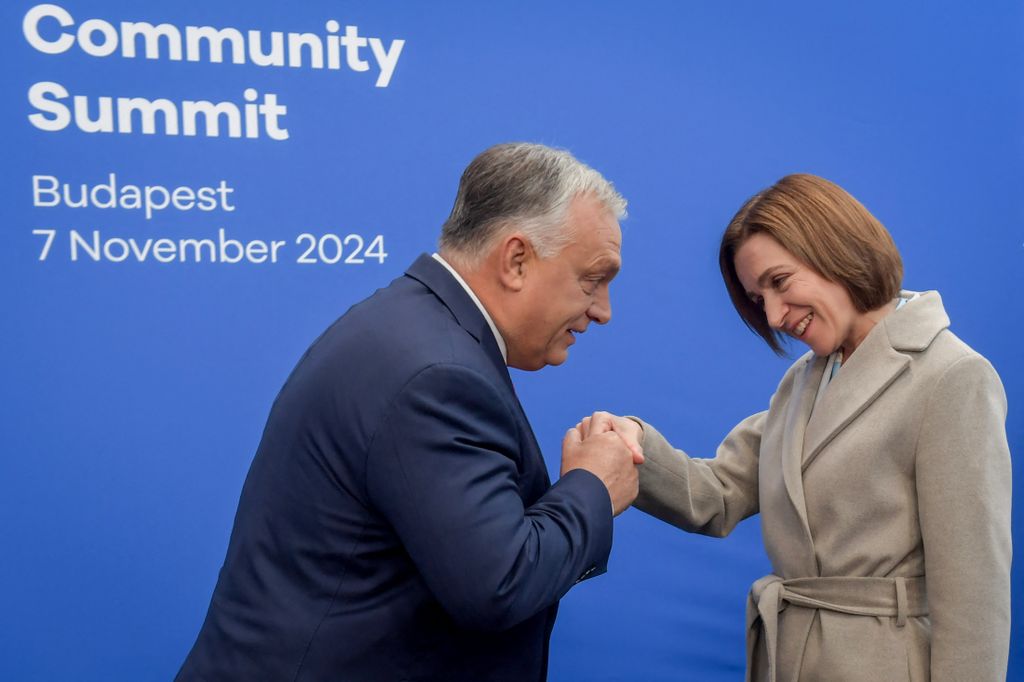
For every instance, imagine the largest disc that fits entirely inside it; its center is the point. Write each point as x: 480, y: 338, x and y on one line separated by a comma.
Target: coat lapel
x: 861, y: 380
x: 804, y: 390
x: 869, y: 371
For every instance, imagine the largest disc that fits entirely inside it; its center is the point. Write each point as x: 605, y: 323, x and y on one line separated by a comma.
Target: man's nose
x: 600, y: 309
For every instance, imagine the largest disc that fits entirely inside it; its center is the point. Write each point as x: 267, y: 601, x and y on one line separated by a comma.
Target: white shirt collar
x: 483, y: 311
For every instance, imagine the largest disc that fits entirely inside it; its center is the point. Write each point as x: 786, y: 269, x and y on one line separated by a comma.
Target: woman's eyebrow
x: 767, y: 274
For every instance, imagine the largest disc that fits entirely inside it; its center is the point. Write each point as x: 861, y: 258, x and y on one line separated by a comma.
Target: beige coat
x: 902, y: 475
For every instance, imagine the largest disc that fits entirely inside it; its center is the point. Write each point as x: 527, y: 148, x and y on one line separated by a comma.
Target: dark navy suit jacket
x: 397, y: 522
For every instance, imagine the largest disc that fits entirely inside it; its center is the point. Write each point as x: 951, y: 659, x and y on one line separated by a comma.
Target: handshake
x: 611, y: 448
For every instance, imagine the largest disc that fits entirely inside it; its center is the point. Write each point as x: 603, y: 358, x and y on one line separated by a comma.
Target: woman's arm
x: 706, y: 496
x: 698, y: 495
x: 963, y: 488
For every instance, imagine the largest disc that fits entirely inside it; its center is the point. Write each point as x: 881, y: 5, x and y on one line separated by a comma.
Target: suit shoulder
x: 400, y: 329
x: 368, y: 354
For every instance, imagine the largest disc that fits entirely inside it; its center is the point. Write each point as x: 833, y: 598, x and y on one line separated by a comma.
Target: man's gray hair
x: 525, y: 187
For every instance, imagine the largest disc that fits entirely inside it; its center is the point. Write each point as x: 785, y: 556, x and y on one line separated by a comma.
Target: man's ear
x: 516, y: 256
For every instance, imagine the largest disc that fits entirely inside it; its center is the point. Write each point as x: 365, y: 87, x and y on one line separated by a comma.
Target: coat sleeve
x: 706, y: 496
x: 444, y: 469
x: 963, y: 487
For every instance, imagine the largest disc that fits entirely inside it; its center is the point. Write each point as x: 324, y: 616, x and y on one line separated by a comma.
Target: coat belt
x: 882, y: 597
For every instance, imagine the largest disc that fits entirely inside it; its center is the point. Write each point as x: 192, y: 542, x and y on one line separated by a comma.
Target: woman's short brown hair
x: 822, y: 225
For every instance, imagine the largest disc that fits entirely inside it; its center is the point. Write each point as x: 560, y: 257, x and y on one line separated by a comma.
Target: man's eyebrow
x: 607, y: 264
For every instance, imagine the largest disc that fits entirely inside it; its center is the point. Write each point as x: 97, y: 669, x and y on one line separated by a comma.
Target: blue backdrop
x: 136, y: 390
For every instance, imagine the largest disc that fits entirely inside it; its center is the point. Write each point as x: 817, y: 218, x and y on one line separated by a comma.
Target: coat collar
x: 435, y: 277
x: 918, y: 323
x: 877, y: 362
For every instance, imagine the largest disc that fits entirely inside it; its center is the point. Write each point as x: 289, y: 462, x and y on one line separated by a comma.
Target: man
x: 397, y: 522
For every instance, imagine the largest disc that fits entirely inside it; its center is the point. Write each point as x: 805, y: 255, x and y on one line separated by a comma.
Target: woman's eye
x: 780, y: 281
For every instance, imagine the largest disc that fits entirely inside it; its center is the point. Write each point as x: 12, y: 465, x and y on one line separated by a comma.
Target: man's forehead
x: 602, y: 231
x: 596, y: 238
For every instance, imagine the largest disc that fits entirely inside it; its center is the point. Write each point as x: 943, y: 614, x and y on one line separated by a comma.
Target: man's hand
x: 606, y: 456
x: 631, y: 433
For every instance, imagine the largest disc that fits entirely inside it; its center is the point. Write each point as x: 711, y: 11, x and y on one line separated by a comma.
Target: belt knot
x: 868, y: 596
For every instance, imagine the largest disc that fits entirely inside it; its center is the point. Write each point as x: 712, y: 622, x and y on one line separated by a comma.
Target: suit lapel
x: 435, y: 277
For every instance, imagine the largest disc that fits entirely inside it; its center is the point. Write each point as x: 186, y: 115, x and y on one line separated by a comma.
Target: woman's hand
x: 631, y: 433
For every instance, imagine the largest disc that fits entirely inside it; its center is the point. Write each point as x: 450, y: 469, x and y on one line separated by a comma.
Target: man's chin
x: 556, y: 359
x: 552, y: 359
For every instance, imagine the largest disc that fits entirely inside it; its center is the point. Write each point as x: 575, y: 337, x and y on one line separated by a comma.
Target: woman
x: 880, y: 469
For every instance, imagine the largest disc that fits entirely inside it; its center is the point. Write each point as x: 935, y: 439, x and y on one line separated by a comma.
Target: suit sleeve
x: 963, y: 487
x: 444, y: 470
x: 706, y: 496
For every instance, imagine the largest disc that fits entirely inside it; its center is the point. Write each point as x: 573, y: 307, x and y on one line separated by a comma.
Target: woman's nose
x: 774, y: 311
